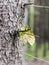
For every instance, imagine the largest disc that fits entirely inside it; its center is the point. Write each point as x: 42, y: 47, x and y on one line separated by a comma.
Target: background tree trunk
x: 41, y: 25
x: 11, y: 18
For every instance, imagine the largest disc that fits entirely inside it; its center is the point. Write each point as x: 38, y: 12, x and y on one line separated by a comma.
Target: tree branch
x: 28, y: 4
x: 38, y: 6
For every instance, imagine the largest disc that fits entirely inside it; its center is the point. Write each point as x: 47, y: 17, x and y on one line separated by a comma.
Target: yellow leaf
x: 24, y: 27
x: 27, y: 36
x: 31, y: 40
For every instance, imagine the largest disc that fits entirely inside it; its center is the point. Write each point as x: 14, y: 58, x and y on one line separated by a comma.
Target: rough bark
x: 11, y: 19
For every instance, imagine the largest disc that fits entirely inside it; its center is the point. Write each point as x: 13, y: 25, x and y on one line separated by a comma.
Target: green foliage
x: 27, y: 36
x: 30, y: 54
x: 25, y: 27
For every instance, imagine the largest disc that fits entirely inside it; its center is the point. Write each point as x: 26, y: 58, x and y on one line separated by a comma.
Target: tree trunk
x: 11, y: 18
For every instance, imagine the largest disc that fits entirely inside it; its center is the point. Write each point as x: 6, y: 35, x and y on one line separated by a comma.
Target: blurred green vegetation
x: 29, y: 48
x: 31, y: 17
x: 30, y: 53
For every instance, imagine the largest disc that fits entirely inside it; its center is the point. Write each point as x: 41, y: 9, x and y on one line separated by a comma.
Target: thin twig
x: 28, y: 30
x: 28, y: 4
x: 36, y: 36
x: 39, y: 6
x: 38, y: 58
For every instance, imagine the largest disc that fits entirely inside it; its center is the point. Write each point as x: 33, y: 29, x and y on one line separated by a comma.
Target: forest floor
x: 38, y: 62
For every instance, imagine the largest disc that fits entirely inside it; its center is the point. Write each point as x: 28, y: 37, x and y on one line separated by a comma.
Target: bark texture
x: 11, y: 19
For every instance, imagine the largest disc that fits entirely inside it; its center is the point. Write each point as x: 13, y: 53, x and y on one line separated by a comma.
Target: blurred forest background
x: 11, y: 20
x: 38, y: 20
